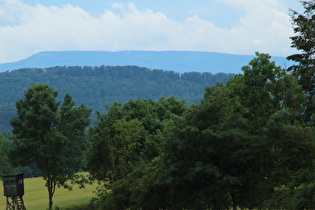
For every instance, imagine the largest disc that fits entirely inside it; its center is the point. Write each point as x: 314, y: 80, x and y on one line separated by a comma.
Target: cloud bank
x: 24, y: 30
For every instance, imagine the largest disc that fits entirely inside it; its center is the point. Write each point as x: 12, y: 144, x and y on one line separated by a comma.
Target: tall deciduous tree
x: 304, y: 41
x: 124, y: 141
x: 217, y: 155
x: 48, y: 135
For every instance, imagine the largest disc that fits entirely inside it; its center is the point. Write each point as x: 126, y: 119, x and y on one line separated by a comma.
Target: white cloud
x: 264, y: 27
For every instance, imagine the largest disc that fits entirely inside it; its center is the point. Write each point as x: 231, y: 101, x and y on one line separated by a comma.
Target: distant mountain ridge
x: 177, y: 61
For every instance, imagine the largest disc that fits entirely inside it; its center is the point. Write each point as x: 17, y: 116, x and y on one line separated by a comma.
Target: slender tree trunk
x: 51, y: 187
x: 234, y: 206
x: 233, y: 201
x: 50, y: 203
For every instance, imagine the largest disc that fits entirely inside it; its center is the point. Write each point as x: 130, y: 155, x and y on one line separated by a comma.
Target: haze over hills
x: 178, y: 61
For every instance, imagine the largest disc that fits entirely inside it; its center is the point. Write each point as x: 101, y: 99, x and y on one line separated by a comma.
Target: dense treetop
x: 244, y: 145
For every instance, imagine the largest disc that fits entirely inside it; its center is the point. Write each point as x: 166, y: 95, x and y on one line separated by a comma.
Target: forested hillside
x: 99, y: 86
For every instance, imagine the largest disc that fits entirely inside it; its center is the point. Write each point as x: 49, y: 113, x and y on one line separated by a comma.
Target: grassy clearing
x: 36, y: 195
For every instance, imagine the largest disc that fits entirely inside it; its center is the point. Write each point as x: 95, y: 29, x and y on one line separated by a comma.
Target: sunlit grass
x: 36, y: 195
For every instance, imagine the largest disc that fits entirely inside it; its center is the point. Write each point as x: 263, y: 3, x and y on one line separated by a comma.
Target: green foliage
x: 48, y: 135
x: 5, y: 166
x: 292, y: 155
x: 304, y: 42
x: 124, y: 141
x: 123, y: 146
x: 6, y: 113
x: 192, y: 152
x: 266, y: 88
x: 103, y: 85
x: 245, y: 145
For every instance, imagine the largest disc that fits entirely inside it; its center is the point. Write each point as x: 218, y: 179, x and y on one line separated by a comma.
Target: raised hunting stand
x: 13, y: 186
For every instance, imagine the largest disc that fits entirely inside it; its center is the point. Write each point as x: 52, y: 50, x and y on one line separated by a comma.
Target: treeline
x: 246, y: 145
x: 103, y: 85
x: 249, y: 143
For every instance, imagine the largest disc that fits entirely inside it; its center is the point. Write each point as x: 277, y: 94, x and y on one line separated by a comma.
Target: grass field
x: 36, y: 195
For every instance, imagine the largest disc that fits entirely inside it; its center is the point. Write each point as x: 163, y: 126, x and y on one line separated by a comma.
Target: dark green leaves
x: 48, y: 135
x: 304, y: 41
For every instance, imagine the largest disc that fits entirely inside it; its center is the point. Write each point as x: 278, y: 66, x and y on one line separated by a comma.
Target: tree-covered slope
x: 97, y: 87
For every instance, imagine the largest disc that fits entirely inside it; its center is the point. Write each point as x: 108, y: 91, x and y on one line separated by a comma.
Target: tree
x: 137, y: 122
x: 304, y: 41
x: 124, y: 142
x: 263, y: 90
x: 217, y: 156
x: 291, y: 161
x: 48, y: 135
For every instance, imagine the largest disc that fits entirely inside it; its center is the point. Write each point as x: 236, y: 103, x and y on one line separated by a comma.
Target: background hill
x: 99, y: 86
x: 178, y: 61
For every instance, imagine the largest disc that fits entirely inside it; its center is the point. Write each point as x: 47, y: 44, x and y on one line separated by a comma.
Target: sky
x: 226, y: 26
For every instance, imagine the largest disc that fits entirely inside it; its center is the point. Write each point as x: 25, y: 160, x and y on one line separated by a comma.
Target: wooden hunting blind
x: 13, y: 186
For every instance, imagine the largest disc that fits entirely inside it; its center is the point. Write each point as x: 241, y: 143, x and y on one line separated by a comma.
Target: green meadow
x: 36, y: 195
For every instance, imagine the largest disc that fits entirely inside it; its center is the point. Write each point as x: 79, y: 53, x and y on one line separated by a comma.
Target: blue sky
x: 228, y: 26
